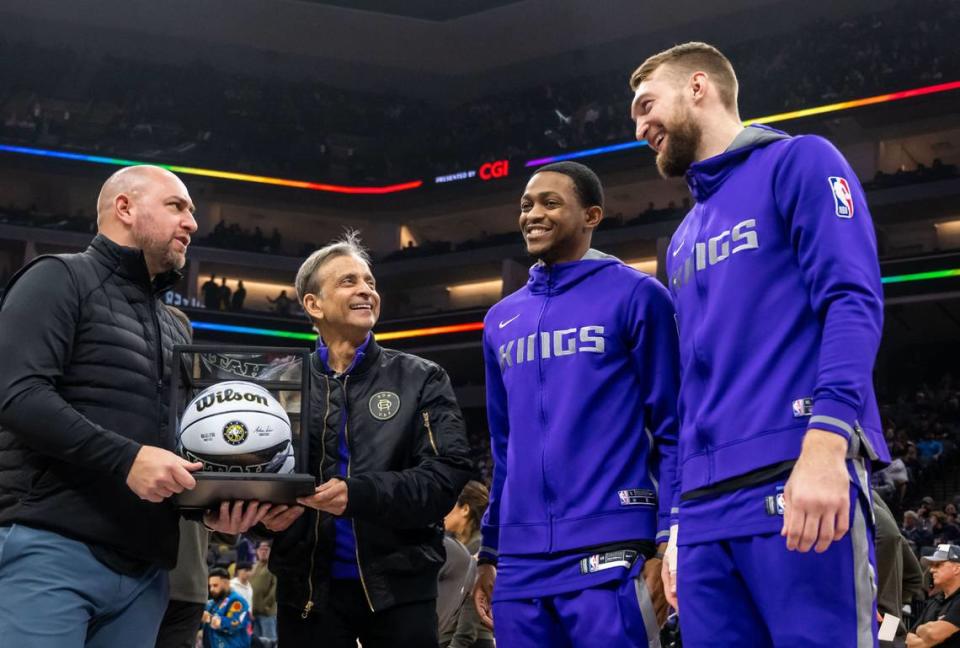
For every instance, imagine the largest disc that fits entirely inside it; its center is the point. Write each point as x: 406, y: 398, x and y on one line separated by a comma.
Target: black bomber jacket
x: 409, y: 460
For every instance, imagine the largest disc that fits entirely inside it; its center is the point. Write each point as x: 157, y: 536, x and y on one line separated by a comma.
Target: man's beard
x: 683, y: 140
x: 219, y: 596
x: 169, y: 260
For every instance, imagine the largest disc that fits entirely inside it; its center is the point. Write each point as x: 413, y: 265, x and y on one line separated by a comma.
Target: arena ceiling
x: 448, y: 50
x: 420, y: 9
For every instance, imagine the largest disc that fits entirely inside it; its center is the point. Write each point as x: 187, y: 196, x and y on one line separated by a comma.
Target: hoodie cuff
x: 833, y: 416
x: 665, y: 519
x: 488, y: 553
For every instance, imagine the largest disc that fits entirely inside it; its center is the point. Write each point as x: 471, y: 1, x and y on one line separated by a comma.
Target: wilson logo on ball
x: 235, y: 433
x: 226, y: 396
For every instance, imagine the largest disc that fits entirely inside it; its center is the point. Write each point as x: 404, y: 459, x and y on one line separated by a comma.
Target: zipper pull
x: 306, y: 610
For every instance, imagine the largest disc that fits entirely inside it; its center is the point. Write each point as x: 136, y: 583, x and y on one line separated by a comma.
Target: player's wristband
x: 671, y: 552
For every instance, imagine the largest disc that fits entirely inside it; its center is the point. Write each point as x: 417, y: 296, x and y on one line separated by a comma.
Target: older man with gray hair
x: 360, y: 558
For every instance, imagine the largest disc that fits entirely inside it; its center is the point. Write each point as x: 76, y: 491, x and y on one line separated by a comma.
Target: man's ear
x: 698, y: 85
x: 123, y: 207
x: 593, y: 216
x: 313, y: 307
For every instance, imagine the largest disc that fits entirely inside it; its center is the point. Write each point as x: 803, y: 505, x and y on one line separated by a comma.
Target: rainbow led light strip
x: 311, y: 337
x: 250, y: 330
x: 213, y: 173
x: 779, y: 117
x: 415, y: 184
x: 478, y: 326
x: 921, y: 276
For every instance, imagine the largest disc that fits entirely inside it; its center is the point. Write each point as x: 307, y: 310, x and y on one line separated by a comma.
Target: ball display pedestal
x: 214, y: 488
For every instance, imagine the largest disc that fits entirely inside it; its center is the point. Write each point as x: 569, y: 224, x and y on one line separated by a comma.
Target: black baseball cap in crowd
x: 944, y: 553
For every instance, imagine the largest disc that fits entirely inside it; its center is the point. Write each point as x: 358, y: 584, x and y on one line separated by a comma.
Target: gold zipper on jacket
x: 353, y: 523
x: 426, y: 422
x: 316, y: 529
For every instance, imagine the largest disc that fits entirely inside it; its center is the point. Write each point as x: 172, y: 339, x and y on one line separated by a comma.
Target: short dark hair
x: 219, y: 572
x: 242, y: 564
x: 585, y: 181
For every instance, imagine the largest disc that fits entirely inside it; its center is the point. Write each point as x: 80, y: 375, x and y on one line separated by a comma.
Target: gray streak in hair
x: 347, y: 245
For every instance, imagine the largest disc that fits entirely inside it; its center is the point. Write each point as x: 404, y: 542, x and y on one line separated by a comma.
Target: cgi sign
x: 489, y: 171
x: 492, y: 170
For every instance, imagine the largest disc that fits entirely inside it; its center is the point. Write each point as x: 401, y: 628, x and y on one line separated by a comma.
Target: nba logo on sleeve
x: 842, y: 196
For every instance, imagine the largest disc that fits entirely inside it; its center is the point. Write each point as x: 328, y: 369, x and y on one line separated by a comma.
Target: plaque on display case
x: 241, y: 411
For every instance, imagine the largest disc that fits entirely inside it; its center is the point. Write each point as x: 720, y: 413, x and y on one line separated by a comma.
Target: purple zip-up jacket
x: 582, y: 375
x: 776, y: 283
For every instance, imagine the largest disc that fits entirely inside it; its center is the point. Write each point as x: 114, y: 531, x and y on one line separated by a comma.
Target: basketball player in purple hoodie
x: 776, y: 282
x: 582, y: 374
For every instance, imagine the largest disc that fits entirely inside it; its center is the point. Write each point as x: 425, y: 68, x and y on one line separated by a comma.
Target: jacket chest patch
x: 384, y: 405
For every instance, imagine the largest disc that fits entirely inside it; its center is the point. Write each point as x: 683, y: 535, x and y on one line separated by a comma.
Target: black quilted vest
x: 118, y: 376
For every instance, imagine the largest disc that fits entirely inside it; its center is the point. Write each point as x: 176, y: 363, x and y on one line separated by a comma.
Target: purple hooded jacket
x: 776, y: 282
x: 582, y: 376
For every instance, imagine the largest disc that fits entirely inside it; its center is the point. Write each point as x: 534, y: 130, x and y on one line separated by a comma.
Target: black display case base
x: 214, y: 487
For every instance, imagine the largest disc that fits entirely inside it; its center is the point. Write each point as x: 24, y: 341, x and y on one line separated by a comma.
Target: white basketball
x: 237, y: 426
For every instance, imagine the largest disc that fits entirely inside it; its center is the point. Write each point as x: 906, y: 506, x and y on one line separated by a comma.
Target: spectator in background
x: 211, y: 293
x: 914, y: 531
x: 899, y: 577
x: 224, y: 296
x: 246, y: 552
x: 282, y: 304
x: 276, y: 242
x: 226, y: 621
x: 240, y: 583
x: 924, y: 513
x: 463, y: 521
x: 464, y: 629
x: 239, y: 295
x: 944, y: 530
x: 891, y: 482
x: 454, y: 581
x: 912, y: 459
x: 264, y: 595
x: 940, y: 621
x: 929, y: 449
